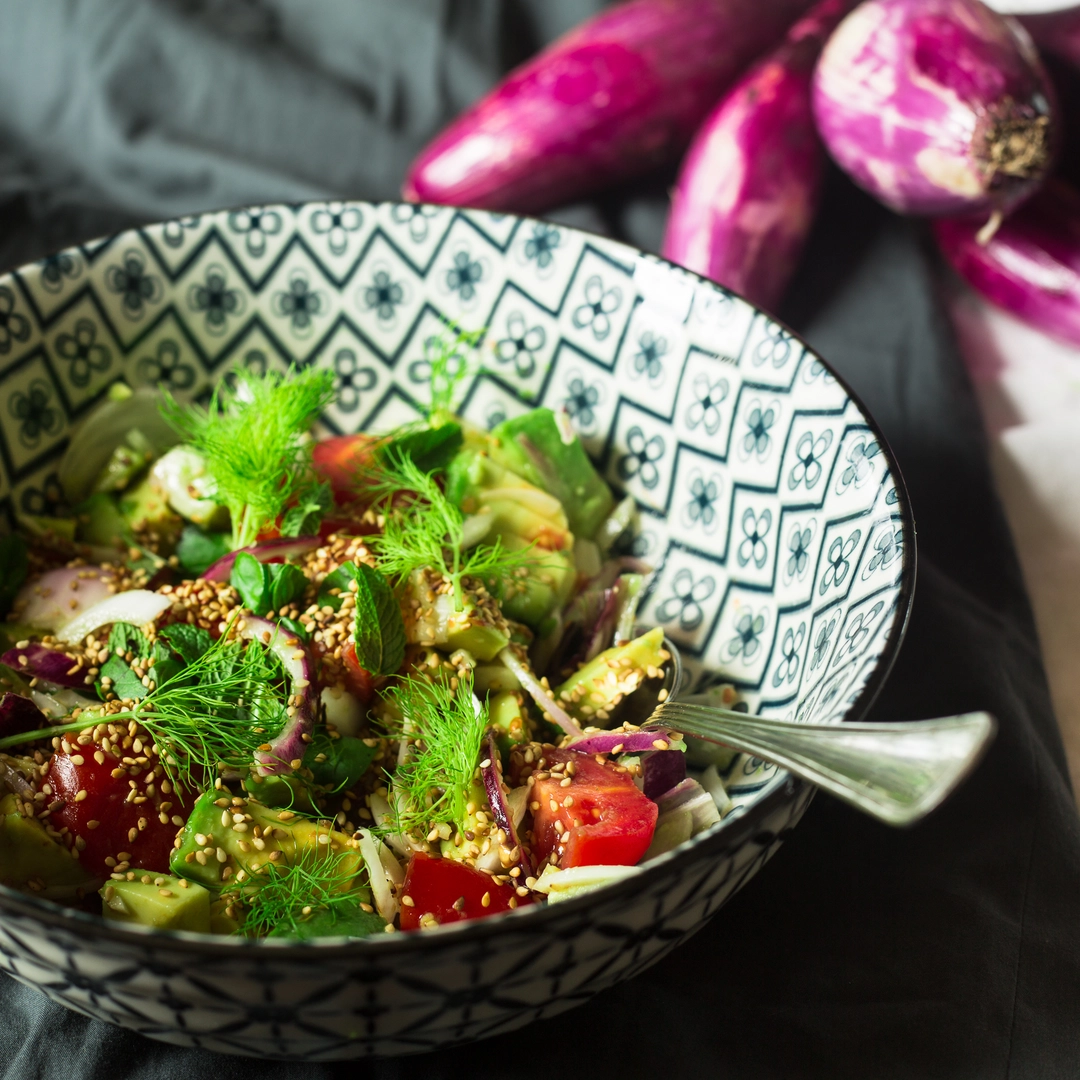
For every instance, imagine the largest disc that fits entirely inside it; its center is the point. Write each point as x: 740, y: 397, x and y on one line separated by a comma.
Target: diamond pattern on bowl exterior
x: 769, y: 506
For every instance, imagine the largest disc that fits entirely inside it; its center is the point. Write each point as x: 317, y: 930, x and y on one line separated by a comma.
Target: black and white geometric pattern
x: 769, y: 505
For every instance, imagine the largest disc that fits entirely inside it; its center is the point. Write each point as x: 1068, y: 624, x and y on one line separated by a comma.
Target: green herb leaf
x: 296, y: 627
x: 287, y: 582
x: 449, y: 367
x: 254, y: 437
x: 429, y: 448
x: 251, y: 579
x: 306, y: 516
x: 126, y: 638
x: 345, y: 760
x: 333, y: 585
x: 191, y: 642
x: 448, y: 731
x: 379, y: 630
x: 198, y: 550
x: 13, y: 569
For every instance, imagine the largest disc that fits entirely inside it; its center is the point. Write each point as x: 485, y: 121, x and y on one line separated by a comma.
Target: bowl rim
x: 728, y: 833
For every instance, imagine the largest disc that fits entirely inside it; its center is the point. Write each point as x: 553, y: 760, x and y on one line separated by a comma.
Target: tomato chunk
x: 106, y: 817
x: 358, y: 680
x: 339, y: 460
x: 450, y: 891
x: 608, y: 820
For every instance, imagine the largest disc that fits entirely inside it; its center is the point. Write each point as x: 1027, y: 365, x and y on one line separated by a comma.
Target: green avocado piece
x: 477, y: 628
x: 167, y: 903
x: 28, y: 853
x: 100, y: 522
x: 531, y: 597
x: 532, y: 445
x: 214, y: 842
x: 220, y: 921
x: 508, y: 720
x: 280, y: 793
x: 593, y: 691
x: 459, y: 846
x: 146, y: 506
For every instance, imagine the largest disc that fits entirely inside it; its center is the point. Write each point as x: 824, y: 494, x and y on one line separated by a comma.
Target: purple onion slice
x: 489, y: 771
x: 37, y: 660
x: 622, y: 742
x: 283, y: 549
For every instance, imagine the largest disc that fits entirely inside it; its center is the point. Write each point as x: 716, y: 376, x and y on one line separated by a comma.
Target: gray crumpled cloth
x: 951, y: 950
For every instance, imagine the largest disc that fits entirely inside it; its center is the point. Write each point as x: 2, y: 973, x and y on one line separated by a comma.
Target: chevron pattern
x: 769, y: 505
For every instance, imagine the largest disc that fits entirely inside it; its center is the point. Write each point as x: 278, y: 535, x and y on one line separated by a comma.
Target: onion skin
x: 1031, y: 266
x: 749, y: 187
x: 1057, y: 32
x: 615, y: 97
x: 936, y: 107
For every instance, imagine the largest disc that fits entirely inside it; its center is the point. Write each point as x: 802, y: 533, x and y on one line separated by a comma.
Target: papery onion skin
x: 1031, y: 266
x: 749, y: 186
x: 613, y: 98
x: 935, y: 106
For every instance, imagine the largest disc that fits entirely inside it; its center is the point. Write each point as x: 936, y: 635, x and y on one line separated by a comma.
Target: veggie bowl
x: 333, y: 563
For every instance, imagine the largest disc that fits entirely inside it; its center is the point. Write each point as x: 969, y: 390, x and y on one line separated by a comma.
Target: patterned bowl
x: 770, y: 506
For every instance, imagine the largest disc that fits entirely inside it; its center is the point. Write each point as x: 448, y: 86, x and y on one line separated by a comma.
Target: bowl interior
x: 769, y: 504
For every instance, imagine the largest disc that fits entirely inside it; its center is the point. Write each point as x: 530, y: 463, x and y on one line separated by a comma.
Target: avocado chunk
x: 533, y: 446
x: 479, y: 627
x: 181, y: 476
x: 592, y: 693
x: 100, y: 522
x: 216, y: 848
x: 531, y: 597
x: 459, y: 846
x: 145, y: 507
x: 31, y: 860
x: 165, y: 902
x: 508, y: 719
x: 221, y: 922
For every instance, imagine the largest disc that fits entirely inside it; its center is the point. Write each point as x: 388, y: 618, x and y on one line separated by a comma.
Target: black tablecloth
x: 950, y: 950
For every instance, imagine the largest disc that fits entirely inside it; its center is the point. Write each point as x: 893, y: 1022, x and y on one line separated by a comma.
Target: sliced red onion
x: 19, y: 714
x: 1031, y: 265
x: 661, y: 771
x: 289, y: 744
x: 371, y: 851
x: 531, y: 685
x: 11, y: 776
x: 136, y: 606
x: 39, y: 661
x: 690, y: 795
x: 500, y: 811
x: 621, y: 742
x: 935, y: 106
x: 59, y: 595
x: 280, y: 550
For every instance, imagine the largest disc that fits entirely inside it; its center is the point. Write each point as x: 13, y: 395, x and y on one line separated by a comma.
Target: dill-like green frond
x: 447, y: 357
x: 447, y: 729
x: 218, y: 709
x: 282, y: 897
x: 428, y: 532
x: 254, y: 437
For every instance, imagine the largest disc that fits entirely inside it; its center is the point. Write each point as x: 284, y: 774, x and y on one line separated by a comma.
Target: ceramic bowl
x: 770, y: 507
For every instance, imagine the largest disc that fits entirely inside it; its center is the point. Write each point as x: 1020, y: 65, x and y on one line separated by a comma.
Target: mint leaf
x: 430, y: 448
x: 287, y: 582
x: 189, y: 641
x: 128, y: 639
x: 297, y: 628
x: 306, y: 516
x: 379, y: 630
x: 251, y: 579
x: 13, y: 569
x: 345, y: 760
x: 198, y: 550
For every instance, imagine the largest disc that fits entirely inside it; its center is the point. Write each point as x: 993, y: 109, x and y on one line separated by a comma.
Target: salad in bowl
x: 268, y: 684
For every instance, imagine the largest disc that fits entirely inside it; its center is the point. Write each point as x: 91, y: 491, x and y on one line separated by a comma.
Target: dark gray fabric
x: 951, y: 950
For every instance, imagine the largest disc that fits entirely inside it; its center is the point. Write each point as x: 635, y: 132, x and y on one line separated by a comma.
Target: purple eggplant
x: 748, y: 189
x: 936, y: 107
x: 619, y: 95
x: 1031, y: 266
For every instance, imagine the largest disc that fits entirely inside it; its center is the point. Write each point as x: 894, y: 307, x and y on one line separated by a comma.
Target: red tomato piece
x: 339, y: 459
x: 609, y: 821
x: 451, y: 891
x: 106, y: 802
x: 358, y: 680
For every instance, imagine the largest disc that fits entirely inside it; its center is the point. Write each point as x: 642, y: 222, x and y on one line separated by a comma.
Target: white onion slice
x: 59, y: 596
x: 542, y: 698
x: 136, y: 606
x: 379, y: 879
